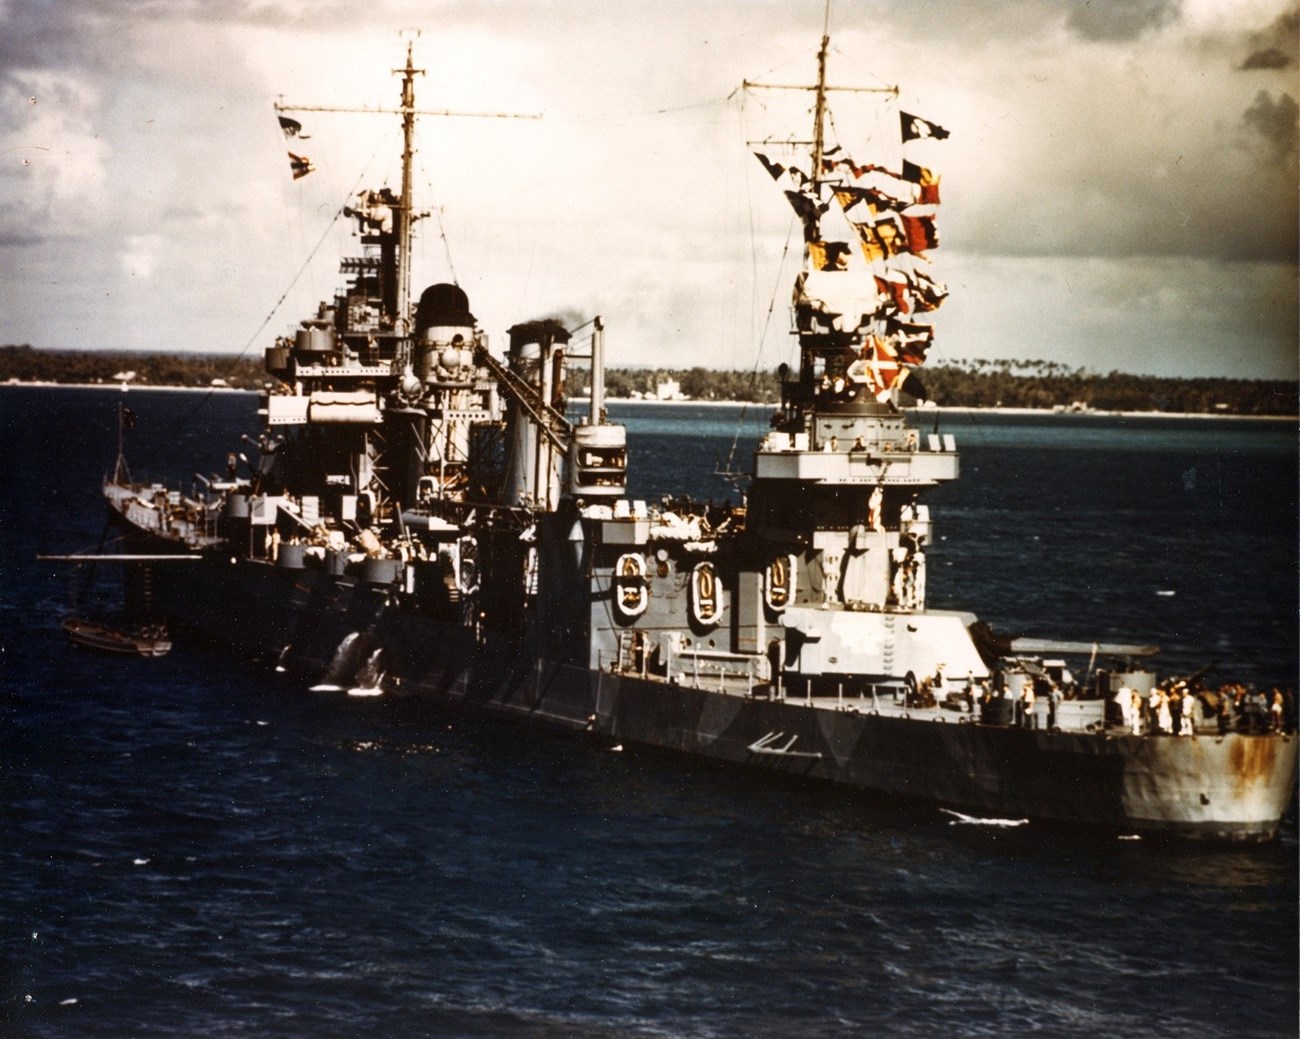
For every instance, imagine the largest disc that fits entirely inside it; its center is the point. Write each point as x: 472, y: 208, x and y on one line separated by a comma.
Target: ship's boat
x: 427, y: 516
x: 130, y: 630
x: 105, y: 637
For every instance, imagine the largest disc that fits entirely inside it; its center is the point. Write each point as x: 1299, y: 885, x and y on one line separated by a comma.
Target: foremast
x: 395, y: 434
x: 403, y: 215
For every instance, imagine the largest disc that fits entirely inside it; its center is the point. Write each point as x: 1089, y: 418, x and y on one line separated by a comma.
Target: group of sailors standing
x: 1173, y: 712
x: 1018, y: 707
x: 998, y: 704
x: 1181, y: 710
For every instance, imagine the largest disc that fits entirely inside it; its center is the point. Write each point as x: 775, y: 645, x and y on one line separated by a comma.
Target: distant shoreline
x: 115, y: 388
x: 958, y: 408
x: 579, y: 401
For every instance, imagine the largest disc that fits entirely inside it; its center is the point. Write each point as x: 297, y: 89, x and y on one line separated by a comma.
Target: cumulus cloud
x: 1112, y: 20
x: 139, y: 258
x: 1160, y: 316
x: 1275, y: 47
x: 1276, y: 122
x: 54, y: 163
x: 1121, y: 151
x: 1268, y: 58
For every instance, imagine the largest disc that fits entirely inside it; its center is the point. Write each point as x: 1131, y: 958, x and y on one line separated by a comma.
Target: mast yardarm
x: 404, y: 216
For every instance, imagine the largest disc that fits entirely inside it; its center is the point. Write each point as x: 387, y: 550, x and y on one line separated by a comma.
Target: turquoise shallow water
x: 196, y: 846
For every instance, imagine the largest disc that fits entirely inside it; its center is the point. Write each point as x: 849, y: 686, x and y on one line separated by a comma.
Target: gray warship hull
x: 1231, y: 787
x: 424, y: 516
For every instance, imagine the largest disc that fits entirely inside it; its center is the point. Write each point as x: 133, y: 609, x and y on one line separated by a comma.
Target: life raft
x: 778, y: 583
x: 705, y: 602
x: 630, y: 594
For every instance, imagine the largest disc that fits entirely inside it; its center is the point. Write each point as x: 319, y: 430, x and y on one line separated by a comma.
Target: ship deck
x: 891, y: 700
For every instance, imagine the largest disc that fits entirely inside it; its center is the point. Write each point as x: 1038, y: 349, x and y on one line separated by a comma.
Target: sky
x: 1119, y: 187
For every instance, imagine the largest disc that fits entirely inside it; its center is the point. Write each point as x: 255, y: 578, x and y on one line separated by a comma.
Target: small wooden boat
x: 148, y: 641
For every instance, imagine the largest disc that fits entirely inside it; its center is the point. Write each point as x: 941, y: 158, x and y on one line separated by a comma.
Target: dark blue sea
x: 197, y: 846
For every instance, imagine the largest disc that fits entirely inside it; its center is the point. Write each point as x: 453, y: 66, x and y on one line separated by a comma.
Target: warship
x: 425, y: 517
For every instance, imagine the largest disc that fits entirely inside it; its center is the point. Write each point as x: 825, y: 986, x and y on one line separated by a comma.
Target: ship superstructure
x: 424, y: 516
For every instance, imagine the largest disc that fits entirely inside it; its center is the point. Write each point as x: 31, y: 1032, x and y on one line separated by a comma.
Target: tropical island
x: 1042, y: 385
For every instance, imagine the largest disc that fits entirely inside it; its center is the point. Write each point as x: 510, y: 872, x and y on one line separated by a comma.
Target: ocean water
x: 199, y: 846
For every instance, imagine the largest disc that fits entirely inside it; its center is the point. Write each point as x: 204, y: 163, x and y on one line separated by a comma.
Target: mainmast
x: 819, y: 108
x: 820, y: 89
x: 403, y: 217
x: 866, y: 267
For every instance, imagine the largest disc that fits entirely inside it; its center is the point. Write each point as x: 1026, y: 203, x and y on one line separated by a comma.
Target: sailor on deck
x: 1164, y: 717
x: 1027, y: 700
x: 1123, y: 700
x: 1053, y: 703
